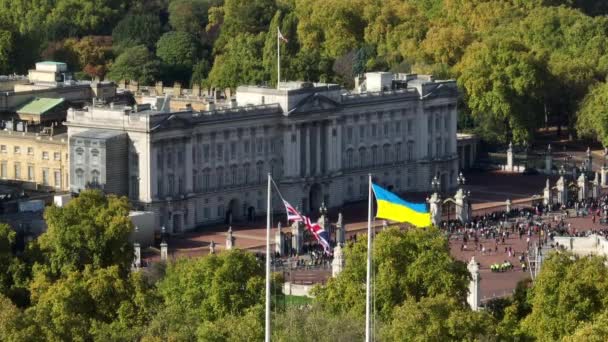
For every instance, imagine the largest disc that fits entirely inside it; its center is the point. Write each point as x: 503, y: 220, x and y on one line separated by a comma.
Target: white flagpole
x: 368, y: 308
x: 267, y: 329
x: 278, y: 58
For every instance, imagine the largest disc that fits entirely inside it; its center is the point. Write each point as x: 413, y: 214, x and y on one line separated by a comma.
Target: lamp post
x: 435, y: 184
x: 460, y: 179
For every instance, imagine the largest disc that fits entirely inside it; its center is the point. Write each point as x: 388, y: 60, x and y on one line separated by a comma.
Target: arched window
x: 375, y: 160
x: 386, y: 153
x: 233, y: 175
x: 259, y: 171
x: 95, y: 178
x: 362, y: 157
x: 219, y: 173
x: 80, y: 178
x: 206, y: 176
x: 398, y: 152
x: 349, y: 158
x: 80, y: 155
x: 246, y: 173
x: 349, y: 189
x: 410, y: 150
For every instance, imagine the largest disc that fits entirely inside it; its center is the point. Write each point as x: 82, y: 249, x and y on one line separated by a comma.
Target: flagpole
x: 278, y: 58
x: 369, y: 264
x: 267, y: 329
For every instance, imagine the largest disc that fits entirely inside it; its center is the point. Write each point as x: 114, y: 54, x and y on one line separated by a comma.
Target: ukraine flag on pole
x: 393, y: 208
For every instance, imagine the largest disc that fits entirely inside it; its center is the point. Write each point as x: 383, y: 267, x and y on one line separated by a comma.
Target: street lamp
x: 460, y: 179
x: 562, y: 171
x: 435, y: 184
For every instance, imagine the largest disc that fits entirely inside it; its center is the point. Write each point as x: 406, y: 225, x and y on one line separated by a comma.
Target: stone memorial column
x: 164, y: 251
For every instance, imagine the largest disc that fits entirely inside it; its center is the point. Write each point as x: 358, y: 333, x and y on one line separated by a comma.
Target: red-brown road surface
x: 488, y: 192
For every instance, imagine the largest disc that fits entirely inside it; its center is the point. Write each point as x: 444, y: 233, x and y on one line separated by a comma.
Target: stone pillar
x: 297, y: 236
x: 548, y: 161
x: 229, y: 239
x: 337, y: 265
x: 340, y: 231
x: 137, y: 255
x: 474, y: 293
x: 562, y: 191
x: 589, y: 160
x: 435, y: 206
x: 177, y: 89
x: 462, y: 206
x: 510, y: 158
x: 595, y: 186
x: 508, y: 205
x: 279, y: 246
x: 308, y: 146
x: 212, y: 247
x: 158, y: 88
x: 604, y: 174
x: 582, y: 187
x: 164, y: 249
x: 547, y: 193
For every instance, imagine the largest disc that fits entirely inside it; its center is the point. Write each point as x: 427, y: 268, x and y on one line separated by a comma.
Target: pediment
x: 313, y: 103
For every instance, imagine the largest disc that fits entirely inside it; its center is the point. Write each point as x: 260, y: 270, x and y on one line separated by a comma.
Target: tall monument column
x: 582, y: 187
x: 461, y: 200
x: 562, y: 191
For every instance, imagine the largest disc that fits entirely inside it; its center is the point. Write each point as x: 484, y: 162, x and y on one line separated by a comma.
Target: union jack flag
x: 320, y: 234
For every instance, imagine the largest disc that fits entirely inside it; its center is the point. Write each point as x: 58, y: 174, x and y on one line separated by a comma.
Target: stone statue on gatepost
x: 230, y: 239
x: 337, y: 264
x: 547, y: 193
x: 297, y: 236
x: 595, y: 186
x: 340, y: 230
x: 212, y: 247
x: 279, y: 243
x: 435, y: 208
x: 510, y: 157
x: 548, y: 161
x: 474, y: 290
x: 461, y: 199
x: 508, y: 205
x: 562, y: 191
x: 582, y: 187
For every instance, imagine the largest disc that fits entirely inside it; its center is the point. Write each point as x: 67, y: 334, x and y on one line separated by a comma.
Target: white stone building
x: 319, y: 142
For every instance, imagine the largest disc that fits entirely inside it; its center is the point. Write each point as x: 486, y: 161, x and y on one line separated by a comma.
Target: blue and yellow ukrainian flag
x: 393, y: 208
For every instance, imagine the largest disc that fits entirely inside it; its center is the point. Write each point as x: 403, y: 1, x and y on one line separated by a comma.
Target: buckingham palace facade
x: 319, y: 142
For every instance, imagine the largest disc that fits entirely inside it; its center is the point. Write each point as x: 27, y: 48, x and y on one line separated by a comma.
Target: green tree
x: 135, y: 63
x: 74, y: 306
x: 300, y: 324
x: 402, y: 264
x: 178, y: 52
x: 177, y: 48
x: 241, y: 63
x: 136, y: 29
x: 75, y: 18
x: 207, y: 289
x: 13, y: 326
x: 568, y: 292
x: 503, y: 84
x: 248, y: 326
x: 6, y: 51
x: 592, y: 116
x: 93, y: 229
x: 190, y: 15
x: 437, y: 319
